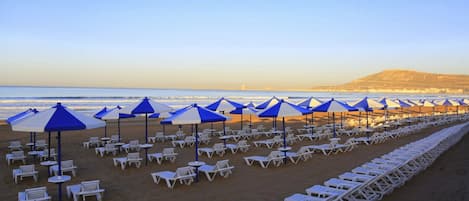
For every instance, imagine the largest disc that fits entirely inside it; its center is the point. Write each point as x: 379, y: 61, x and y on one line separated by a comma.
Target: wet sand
x: 246, y: 183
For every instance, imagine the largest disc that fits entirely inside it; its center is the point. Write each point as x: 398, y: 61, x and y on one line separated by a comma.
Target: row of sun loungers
x: 186, y: 175
x: 83, y: 189
x: 374, y: 179
x: 30, y: 170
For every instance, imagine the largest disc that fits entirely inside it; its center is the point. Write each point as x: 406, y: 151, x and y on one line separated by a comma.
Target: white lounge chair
x: 15, y: 156
x: 189, y: 141
x: 15, y: 145
x: 41, y: 144
x: 223, y: 168
x: 303, y: 197
x: 85, y: 189
x: 275, y: 157
x: 25, y: 171
x: 114, y: 139
x: 132, y: 158
x: 167, y: 154
x: 108, y: 148
x: 303, y: 153
x: 34, y: 194
x: 217, y: 148
x: 67, y: 166
x: 183, y: 175
x: 93, y: 141
x: 44, y: 155
x: 159, y: 136
x: 269, y: 143
x: 133, y: 145
x: 242, y: 145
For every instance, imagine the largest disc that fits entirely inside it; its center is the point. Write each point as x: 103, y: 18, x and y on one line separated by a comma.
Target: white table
x: 146, y: 147
x: 48, y: 164
x: 196, y: 165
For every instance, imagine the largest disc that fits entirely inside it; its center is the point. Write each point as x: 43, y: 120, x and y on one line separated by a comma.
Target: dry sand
x: 246, y: 183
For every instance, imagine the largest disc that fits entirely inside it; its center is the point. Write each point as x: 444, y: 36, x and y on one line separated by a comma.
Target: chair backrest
x: 115, y: 138
x: 303, y: 150
x: 159, y: 134
x: 350, y: 141
x: 46, y: 151
x: 218, y: 146
x: 109, y: 147
x: 242, y: 143
x: 222, y: 164
x: 168, y: 151
x: 277, y: 138
x: 94, y: 139
x: 189, y: 139
x: 40, y: 142
x: 67, y: 164
x: 27, y: 168
x: 15, y: 143
x: 17, y: 153
x: 133, y: 156
x: 87, y: 186
x: 183, y: 171
x: 274, y: 154
x: 133, y: 143
x: 35, y: 193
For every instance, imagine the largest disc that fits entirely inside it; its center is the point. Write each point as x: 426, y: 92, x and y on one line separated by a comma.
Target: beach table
x: 196, y: 165
x: 284, y: 150
x: 146, y: 147
x: 224, y: 138
x: 59, y: 180
x: 48, y: 164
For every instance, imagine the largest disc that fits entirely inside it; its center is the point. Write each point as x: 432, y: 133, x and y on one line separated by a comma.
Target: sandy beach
x: 246, y: 183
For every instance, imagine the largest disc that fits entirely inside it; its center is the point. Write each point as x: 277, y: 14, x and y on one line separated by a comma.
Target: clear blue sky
x: 225, y: 44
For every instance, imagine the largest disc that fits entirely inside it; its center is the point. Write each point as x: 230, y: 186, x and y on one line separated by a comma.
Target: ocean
x: 88, y: 100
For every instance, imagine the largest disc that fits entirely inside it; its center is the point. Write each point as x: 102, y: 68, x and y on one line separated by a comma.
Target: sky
x: 284, y: 45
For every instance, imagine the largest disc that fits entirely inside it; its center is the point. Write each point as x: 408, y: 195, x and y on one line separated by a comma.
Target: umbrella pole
x: 341, y: 120
x: 224, y: 125
x: 146, y: 128
x: 306, y: 119
x: 241, y: 121
x: 196, y: 143
x: 48, y: 153
x: 211, y: 128
x: 119, y: 129
x: 333, y: 123
x: 366, y: 119
x: 34, y: 143
x: 250, y: 121
x: 105, y: 128
x: 284, y: 140
x: 59, y: 163
x: 359, y: 119
x: 164, y: 129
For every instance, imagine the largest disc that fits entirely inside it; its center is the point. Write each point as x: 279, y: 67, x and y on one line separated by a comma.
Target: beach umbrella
x: 368, y: 105
x: 448, y: 102
x: 223, y: 105
x: 161, y: 115
x: 146, y: 106
x: 245, y: 110
x: 115, y: 114
x: 403, y: 104
x: 333, y: 106
x: 99, y: 115
x: 268, y: 103
x: 309, y: 103
x: 426, y: 103
x: 283, y: 109
x: 388, y: 104
x: 250, y: 104
x: 20, y: 116
x: 57, y: 119
x: 194, y: 115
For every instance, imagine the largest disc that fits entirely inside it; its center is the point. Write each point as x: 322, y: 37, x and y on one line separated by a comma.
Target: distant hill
x: 405, y: 81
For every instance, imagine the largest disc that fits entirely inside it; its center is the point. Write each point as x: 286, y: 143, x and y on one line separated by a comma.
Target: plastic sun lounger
x: 241, y: 145
x: 275, y: 157
x: 15, y: 156
x: 223, y: 168
x: 25, y: 171
x: 67, y: 166
x: 132, y: 158
x: 324, y: 191
x: 183, y: 175
x: 303, y: 197
x: 217, y: 148
x: 85, y: 189
x: 167, y: 154
x: 34, y: 194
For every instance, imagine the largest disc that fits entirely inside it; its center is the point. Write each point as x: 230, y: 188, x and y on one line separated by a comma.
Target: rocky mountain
x: 405, y: 81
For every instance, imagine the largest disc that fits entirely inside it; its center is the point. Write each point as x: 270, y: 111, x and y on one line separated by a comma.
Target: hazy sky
x: 224, y: 44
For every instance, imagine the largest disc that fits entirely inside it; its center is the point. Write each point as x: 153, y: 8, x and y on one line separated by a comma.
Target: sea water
x: 88, y: 100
